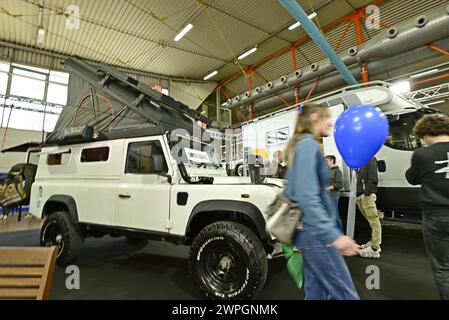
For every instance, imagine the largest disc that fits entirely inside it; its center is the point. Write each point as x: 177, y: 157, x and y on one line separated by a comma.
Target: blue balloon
x: 359, y: 133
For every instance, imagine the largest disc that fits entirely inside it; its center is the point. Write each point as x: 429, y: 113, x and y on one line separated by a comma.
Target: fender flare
x: 231, y: 206
x: 68, y: 201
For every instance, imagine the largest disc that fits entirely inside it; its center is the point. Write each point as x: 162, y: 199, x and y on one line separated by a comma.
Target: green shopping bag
x: 294, y: 264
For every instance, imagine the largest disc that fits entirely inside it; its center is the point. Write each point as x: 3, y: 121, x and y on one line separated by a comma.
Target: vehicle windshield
x: 401, y: 135
x: 201, y: 154
x: 198, y: 158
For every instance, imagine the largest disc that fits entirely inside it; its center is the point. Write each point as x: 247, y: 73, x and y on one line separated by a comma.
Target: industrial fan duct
x: 392, y: 49
x: 334, y: 80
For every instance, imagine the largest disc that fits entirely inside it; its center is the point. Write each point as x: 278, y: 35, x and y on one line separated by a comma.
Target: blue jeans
x: 336, y: 199
x: 326, y: 275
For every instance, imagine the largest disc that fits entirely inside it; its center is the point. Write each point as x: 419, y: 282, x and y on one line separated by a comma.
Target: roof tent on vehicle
x: 104, y: 103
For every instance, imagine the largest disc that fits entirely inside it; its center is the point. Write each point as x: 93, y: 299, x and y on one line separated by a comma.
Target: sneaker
x: 366, y: 245
x: 370, y: 253
x: 277, y: 252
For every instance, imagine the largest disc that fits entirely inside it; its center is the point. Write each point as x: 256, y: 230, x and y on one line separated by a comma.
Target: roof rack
x: 22, y: 147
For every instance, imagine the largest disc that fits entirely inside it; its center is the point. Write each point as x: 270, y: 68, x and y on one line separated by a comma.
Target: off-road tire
x: 219, y: 244
x: 70, y: 244
x: 238, y: 170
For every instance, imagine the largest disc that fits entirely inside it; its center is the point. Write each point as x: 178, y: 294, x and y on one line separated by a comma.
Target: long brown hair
x: 304, y: 125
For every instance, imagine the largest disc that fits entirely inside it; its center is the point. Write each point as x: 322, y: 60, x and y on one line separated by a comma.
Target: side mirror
x: 169, y: 178
x: 381, y: 166
x: 166, y: 175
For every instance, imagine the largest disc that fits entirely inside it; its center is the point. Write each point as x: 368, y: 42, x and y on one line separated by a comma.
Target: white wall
x: 15, y: 137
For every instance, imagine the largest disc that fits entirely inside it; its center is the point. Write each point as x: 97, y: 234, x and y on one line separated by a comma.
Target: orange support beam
x: 444, y: 76
x: 350, y: 22
x: 294, y: 69
x: 358, y: 28
x: 436, y: 48
x: 313, y: 88
x: 224, y: 92
x: 294, y: 59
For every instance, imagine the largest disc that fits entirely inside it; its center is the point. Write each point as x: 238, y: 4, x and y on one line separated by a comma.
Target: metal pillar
x: 218, y: 108
x: 250, y: 87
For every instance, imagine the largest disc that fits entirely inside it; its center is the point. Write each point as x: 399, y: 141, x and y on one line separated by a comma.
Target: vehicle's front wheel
x: 58, y: 230
x: 238, y: 171
x: 228, y: 261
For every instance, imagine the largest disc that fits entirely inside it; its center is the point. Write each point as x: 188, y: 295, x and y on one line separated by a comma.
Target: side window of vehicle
x: 58, y: 159
x: 146, y: 157
x: 95, y: 154
x: 33, y: 157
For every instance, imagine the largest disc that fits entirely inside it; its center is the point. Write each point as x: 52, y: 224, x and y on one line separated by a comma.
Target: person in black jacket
x: 367, y: 180
x: 335, y: 178
x: 430, y: 169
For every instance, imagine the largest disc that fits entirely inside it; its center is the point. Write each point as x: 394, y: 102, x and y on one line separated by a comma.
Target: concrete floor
x: 12, y: 224
x: 111, y: 268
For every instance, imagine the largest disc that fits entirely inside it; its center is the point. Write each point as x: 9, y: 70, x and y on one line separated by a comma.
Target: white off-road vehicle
x: 130, y: 171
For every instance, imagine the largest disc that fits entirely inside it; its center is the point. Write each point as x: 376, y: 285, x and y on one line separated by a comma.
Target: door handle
x: 124, y: 196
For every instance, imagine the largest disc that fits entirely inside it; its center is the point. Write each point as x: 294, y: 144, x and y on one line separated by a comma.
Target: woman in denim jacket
x: 321, y: 241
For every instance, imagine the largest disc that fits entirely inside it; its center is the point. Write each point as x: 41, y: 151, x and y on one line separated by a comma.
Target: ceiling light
x: 210, y: 75
x: 423, y: 74
x: 400, y: 87
x: 40, y: 36
x: 183, y: 32
x: 297, y: 24
x: 435, y: 102
x: 247, y: 53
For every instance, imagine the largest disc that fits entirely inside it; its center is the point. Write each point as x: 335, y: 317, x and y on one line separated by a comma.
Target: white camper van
x: 266, y: 135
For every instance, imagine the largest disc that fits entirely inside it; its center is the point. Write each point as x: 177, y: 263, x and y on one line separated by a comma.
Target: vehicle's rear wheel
x: 238, y: 171
x: 228, y: 261
x: 58, y: 230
